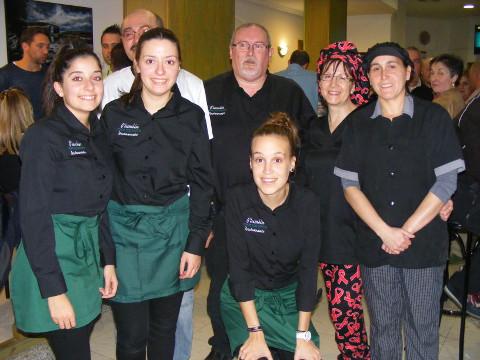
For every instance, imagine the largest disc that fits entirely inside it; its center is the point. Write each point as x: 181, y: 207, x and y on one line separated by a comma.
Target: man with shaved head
x: 191, y: 87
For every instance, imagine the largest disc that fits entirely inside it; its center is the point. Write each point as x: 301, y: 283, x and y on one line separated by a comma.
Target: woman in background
x: 57, y: 278
x: 445, y: 73
x: 16, y: 115
x: 464, y: 86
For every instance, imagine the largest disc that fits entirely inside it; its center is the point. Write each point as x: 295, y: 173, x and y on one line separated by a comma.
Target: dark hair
x: 279, y: 123
x: 119, y: 57
x: 57, y: 69
x: 299, y: 57
x: 387, y: 48
x: 112, y: 29
x: 453, y: 63
x: 29, y: 33
x: 152, y: 34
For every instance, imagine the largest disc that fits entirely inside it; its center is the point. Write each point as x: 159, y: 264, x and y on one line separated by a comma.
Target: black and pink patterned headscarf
x: 346, y: 52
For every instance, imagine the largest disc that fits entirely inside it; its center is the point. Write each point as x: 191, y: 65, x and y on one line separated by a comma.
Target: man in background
x: 28, y: 72
x: 307, y: 80
x: 111, y: 36
x: 415, y: 85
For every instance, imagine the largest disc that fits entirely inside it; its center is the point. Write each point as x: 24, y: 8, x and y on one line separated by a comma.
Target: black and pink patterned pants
x: 344, y: 288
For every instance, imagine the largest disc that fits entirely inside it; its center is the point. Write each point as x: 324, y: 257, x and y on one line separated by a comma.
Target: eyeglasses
x: 129, y: 34
x: 245, y: 46
x: 341, y: 78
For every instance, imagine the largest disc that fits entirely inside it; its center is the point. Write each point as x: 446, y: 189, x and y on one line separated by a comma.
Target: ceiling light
x: 468, y: 6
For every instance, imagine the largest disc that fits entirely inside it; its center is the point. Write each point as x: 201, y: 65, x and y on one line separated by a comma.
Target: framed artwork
x: 61, y: 22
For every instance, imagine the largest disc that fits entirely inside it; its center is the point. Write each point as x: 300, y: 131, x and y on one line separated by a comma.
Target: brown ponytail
x: 279, y: 123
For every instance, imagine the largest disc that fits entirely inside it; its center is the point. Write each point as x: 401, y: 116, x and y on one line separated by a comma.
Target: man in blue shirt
x: 307, y: 80
x: 28, y: 72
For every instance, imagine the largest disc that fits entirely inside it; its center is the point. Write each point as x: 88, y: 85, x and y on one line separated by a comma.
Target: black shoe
x: 215, y: 355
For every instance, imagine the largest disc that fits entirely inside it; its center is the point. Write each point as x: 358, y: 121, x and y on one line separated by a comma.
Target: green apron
x: 149, y: 242
x: 277, y: 312
x: 77, y: 250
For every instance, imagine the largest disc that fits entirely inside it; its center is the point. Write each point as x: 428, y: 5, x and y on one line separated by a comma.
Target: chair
x: 454, y: 231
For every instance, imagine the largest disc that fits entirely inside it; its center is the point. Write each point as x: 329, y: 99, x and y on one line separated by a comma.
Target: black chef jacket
x: 469, y: 133
x: 161, y: 157
x: 397, y: 163
x: 235, y: 116
x: 271, y: 249
x: 63, y: 172
x: 315, y: 171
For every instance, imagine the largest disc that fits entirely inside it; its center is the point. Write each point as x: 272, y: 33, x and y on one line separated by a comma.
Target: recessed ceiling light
x: 468, y: 6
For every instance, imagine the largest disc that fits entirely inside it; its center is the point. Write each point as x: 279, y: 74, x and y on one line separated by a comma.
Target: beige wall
x: 367, y: 30
x: 282, y: 26
x: 453, y: 35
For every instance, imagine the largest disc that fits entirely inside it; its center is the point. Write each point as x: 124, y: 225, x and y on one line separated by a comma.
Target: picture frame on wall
x: 63, y: 23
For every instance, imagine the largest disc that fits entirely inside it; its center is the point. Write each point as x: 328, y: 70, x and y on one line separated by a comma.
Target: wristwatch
x: 304, y: 335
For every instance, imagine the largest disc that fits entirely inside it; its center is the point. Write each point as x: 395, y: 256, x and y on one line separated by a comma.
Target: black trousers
x: 72, y: 344
x: 147, y: 328
x: 217, y: 267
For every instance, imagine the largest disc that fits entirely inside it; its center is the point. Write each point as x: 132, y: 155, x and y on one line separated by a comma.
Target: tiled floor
x: 103, y: 336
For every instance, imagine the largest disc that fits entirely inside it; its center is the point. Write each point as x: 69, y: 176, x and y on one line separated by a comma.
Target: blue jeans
x: 184, y: 332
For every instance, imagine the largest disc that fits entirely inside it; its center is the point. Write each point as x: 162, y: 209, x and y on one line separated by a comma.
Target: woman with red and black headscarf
x: 342, y: 87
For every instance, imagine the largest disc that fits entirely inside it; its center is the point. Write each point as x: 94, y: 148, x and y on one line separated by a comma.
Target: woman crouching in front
x: 273, y: 240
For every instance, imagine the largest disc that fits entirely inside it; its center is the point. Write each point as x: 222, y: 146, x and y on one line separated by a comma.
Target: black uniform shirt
x: 63, y: 172
x: 396, y: 163
x: 161, y: 157
x: 316, y: 172
x: 271, y: 249
x: 469, y: 133
x: 235, y: 116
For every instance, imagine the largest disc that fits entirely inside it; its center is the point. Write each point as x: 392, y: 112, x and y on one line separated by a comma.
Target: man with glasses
x: 191, y: 88
x: 239, y: 101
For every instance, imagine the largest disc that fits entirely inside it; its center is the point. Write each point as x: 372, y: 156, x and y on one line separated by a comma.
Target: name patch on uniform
x: 76, y: 148
x: 129, y: 130
x: 216, y: 110
x: 255, y: 225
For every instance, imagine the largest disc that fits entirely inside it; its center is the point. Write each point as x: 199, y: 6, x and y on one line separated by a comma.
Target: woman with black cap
x: 398, y: 164
x: 343, y: 86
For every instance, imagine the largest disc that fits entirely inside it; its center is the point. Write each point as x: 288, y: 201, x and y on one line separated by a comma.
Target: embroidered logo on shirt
x: 255, y: 225
x: 216, y: 110
x: 76, y: 148
x: 129, y: 130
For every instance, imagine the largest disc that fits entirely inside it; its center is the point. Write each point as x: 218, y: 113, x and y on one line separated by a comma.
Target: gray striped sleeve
x: 345, y: 174
x: 445, y: 185
x: 457, y: 165
x: 348, y: 183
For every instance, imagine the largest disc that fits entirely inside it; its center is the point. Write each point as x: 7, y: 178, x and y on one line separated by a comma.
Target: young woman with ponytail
x: 160, y: 206
x: 58, y: 281
x: 273, y: 240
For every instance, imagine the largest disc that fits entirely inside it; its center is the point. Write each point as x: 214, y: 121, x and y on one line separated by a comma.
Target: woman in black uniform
x: 398, y: 164
x: 57, y: 279
x: 343, y: 86
x: 160, y: 206
x: 273, y: 240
